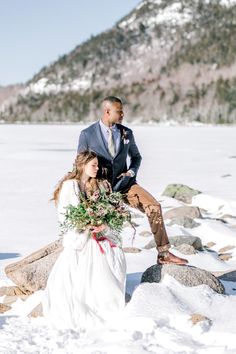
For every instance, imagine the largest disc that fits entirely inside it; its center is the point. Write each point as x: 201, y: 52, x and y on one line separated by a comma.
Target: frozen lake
x: 34, y: 157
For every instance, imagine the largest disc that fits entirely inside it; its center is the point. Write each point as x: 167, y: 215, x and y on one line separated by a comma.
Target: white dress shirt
x: 115, y: 133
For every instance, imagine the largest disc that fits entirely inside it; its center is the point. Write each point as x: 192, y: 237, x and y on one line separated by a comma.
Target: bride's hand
x: 97, y: 229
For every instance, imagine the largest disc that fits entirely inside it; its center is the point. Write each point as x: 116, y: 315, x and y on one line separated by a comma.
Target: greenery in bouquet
x: 98, y: 209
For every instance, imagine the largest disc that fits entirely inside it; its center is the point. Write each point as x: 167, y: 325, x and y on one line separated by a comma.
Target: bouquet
x: 98, y: 209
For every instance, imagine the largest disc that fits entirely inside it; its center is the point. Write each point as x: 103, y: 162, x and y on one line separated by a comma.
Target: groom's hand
x: 125, y: 174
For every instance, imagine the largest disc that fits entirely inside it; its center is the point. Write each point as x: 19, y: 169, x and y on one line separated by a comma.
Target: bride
x: 86, y: 287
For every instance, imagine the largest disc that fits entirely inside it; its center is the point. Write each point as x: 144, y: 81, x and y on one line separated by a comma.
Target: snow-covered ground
x: 157, y: 319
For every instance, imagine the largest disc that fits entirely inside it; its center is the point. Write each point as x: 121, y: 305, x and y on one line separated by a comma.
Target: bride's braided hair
x: 81, y: 160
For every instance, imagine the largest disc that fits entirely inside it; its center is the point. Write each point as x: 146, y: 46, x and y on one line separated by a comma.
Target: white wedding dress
x: 86, y: 287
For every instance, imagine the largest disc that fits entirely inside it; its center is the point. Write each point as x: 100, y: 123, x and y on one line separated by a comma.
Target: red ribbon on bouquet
x: 98, y: 240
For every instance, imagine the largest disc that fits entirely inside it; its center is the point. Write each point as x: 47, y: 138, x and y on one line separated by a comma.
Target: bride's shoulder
x: 69, y: 189
x: 70, y: 183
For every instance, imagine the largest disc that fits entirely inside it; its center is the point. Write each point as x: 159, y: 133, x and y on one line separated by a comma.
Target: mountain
x: 166, y: 59
x: 9, y: 93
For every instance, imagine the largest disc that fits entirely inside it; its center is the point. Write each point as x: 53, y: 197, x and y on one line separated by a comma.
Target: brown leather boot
x: 168, y: 258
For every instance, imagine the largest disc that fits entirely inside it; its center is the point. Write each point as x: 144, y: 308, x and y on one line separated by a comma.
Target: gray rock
x: 229, y: 276
x: 210, y: 244
x: 184, y: 221
x: 197, y: 317
x: 131, y: 250
x: 183, y: 211
x: 176, y: 241
x: 11, y: 291
x: 145, y: 233
x: 225, y: 256
x: 137, y: 215
x: 31, y: 273
x: 186, y: 275
x: 37, y: 311
x: 189, y: 240
x: 228, y: 216
x: 4, y: 308
x: 226, y: 248
x: 9, y: 300
x: 180, y: 192
x: 186, y: 249
x: 127, y: 298
x: 150, y: 245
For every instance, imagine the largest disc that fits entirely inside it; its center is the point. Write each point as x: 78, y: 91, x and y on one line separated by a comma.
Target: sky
x: 35, y: 33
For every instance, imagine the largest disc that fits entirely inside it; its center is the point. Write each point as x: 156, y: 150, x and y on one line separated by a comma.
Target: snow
x: 157, y: 319
x: 157, y: 2
x: 79, y: 84
x: 127, y: 22
x: 227, y: 3
x: 216, y: 206
x: 44, y: 86
x: 172, y: 14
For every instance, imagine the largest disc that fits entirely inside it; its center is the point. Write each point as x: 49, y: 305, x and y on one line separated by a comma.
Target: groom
x: 113, y: 142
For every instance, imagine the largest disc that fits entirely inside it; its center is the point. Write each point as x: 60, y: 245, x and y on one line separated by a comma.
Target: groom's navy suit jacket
x: 92, y: 138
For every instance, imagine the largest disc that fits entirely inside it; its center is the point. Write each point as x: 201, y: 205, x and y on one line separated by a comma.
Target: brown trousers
x: 138, y: 197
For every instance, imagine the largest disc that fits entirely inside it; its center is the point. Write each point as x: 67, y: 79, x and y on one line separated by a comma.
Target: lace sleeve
x: 69, y: 194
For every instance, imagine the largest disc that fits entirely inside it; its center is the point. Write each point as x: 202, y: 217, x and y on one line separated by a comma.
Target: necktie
x: 111, y: 143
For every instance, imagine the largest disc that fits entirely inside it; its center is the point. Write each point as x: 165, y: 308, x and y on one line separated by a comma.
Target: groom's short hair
x: 112, y: 99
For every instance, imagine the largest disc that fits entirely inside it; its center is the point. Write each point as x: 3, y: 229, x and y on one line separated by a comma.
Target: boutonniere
x: 125, y: 137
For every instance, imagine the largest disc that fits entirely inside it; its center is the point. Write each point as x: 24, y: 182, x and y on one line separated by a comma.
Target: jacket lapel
x: 101, y: 143
x: 121, y: 145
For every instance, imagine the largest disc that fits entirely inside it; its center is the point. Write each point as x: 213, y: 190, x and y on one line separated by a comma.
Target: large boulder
x: 31, y: 273
x: 180, y: 192
x: 186, y: 275
x: 183, y: 211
